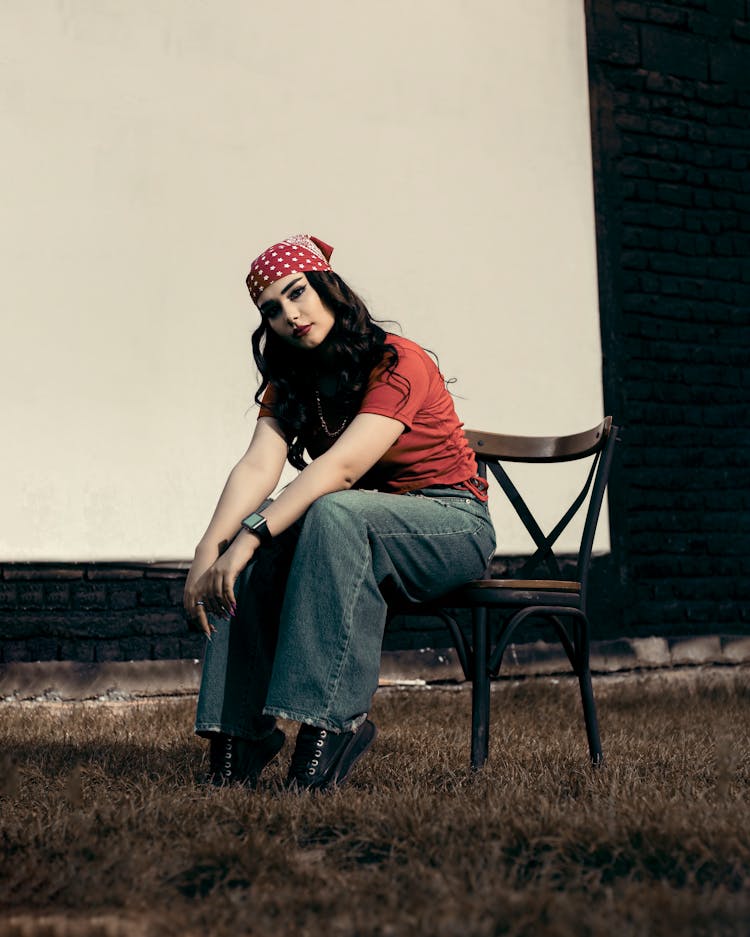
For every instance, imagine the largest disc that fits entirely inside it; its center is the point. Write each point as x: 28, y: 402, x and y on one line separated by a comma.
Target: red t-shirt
x: 432, y: 450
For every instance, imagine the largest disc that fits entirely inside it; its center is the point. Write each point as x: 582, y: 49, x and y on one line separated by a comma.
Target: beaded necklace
x: 332, y: 434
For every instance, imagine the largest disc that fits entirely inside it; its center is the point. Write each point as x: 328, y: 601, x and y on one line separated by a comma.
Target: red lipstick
x: 301, y: 330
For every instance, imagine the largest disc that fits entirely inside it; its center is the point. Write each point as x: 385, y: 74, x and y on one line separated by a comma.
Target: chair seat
x: 495, y: 592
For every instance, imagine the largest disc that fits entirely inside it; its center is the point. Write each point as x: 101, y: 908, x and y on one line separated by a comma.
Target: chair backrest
x: 491, y: 449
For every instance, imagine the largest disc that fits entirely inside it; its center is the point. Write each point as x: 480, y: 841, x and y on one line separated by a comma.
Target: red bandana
x: 293, y: 255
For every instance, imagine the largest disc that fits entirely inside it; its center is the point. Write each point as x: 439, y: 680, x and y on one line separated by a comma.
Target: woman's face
x: 295, y: 312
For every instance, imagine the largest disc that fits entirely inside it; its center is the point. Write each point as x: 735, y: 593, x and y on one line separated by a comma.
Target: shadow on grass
x: 106, y: 822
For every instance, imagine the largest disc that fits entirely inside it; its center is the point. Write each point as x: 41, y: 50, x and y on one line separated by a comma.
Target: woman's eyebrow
x: 290, y: 285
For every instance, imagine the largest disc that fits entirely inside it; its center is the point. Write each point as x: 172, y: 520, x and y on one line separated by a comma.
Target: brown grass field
x: 107, y: 829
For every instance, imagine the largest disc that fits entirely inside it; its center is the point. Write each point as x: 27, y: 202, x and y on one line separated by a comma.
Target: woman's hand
x: 213, y: 591
x: 193, y: 602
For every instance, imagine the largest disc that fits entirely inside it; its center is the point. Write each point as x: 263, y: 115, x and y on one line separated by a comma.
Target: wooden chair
x: 555, y: 599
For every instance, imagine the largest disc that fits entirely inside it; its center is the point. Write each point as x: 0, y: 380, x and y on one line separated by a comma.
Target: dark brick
x: 674, y: 107
x: 668, y: 17
x: 634, y: 78
x: 634, y: 259
x: 79, y: 650
x: 693, y: 244
x: 175, y: 591
x: 16, y: 624
x: 730, y: 63
x: 728, y: 136
x: 120, y: 599
x: 631, y: 10
x: 677, y: 263
x: 673, y: 53
x: 618, y: 44
x: 167, y: 621
x: 167, y: 648
x: 67, y: 624
x: 633, y: 167
x: 725, y: 180
x: 89, y: 596
x: 668, y: 84
x: 645, y: 191
x: 712, y: 27
x: 30, y: 595
x: 666, y: 171
x: 25, y: 571
x: 669, y: 127
x: 726, y: 9
x: 15, y: 651
x: 634, y: 123
x: 113, y: 573
x: 42, y: 649
x: 135, y: 648
x: 192, y: 647
x: 155, y: 572
x: 8, y: 595
x: 658, y: 217
x: 675, y: 194
x: 57, y: 595
x: 107, y: 650
x: 153, y: 593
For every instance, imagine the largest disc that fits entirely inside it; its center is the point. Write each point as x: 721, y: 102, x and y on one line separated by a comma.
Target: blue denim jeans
x: 311, y: 607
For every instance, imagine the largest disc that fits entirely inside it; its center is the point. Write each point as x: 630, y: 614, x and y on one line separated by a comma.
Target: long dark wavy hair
x: 356, y: 345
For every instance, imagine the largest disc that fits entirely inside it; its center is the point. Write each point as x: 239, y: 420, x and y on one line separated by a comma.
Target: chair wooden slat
x: 533, y: 585
x: 494, y: 446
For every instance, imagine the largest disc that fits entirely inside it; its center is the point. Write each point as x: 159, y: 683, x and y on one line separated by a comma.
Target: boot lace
x: 307, y: 751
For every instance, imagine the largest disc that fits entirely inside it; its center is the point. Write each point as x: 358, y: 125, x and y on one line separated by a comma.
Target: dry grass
x: 107, y: 830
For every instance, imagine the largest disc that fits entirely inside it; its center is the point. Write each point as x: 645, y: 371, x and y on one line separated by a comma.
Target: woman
x: 390, y: 504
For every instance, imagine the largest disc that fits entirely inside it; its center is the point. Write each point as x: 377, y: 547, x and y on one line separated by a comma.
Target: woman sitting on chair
x: 291, y: 593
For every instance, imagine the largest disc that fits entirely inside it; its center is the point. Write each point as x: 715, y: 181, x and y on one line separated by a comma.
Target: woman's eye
x: 297, y: 292
x: 271, y: 311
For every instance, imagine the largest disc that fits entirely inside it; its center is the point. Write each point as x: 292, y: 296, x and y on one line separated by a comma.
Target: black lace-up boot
x: 323, y: 759
x: 240, y: 761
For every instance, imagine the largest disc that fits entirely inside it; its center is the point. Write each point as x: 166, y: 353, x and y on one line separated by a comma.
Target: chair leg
x: 480, y: 689
x: 587, y: 694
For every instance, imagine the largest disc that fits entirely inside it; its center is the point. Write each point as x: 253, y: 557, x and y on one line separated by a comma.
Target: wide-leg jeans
x: 305, y: 643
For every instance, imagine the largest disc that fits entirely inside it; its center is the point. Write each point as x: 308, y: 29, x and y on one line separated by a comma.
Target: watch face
x: 253, y: 521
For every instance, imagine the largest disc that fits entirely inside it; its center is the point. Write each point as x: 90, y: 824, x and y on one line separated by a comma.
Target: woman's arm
x: 364, y: 442
x: 250, y: 482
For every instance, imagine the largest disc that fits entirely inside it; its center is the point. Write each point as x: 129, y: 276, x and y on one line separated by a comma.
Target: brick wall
x: 93, y: 612
x: 670, y: 108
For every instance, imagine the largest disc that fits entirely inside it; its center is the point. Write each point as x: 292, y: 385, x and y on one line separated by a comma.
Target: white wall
x: 151, y: 149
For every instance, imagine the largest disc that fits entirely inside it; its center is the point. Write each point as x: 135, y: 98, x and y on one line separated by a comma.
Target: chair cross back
x: 555, y: 600
x: 491, y: 449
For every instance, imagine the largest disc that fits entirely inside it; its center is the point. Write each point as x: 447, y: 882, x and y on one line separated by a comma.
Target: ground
x: 107, y: 828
